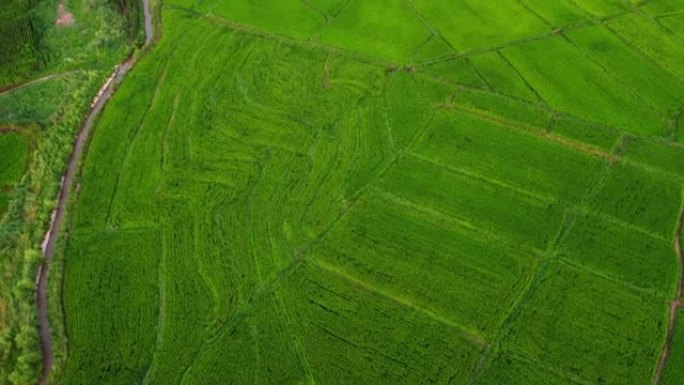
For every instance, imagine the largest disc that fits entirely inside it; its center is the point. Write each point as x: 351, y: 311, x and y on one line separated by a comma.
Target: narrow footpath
x: 53, y: 233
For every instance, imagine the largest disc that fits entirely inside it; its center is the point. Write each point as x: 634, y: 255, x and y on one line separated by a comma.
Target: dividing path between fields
x: 48, y: 246
x: 677, y: 303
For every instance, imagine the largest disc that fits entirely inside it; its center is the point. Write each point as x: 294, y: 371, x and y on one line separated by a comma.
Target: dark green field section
x: 674, y: 373
x: 384, y: 192
x: 21, y: 29
x: 14, y: 148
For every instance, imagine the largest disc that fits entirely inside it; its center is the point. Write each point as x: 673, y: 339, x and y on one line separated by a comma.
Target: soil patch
x: 64, y: 17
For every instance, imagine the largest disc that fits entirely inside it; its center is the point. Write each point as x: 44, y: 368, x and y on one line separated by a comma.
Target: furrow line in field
x: 607, y: 71
x: 532, y: 130
x: 524, y: 79
x: 301, y: 257
x: 549, y: 256
x: 471, y: 335
x: 630, y: 44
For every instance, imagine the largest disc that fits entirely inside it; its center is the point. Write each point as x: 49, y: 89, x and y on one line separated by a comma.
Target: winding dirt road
x: 53, y: 233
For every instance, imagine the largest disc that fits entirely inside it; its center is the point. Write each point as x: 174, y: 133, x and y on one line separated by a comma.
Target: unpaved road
x: 72, y: 168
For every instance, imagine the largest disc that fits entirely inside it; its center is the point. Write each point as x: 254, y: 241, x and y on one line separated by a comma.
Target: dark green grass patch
x: 411, y: 104
x: 526, y: 221
x: 502, y: 77
x: 494, y: 151
x: 662, y: 7
x: 622, y: 253
x: 661, y: 155
x: 459, y: 71
x: 34, y: 104
x: 512, y: 367
x: 14, y: 150
x: 114, y: 276
x: 429, y: 261
x: 674, y: 370
x: 611, y: 332
x: 22, y: 27
x: 674, y: 23
x: 594, y: 134
x: 639, y: 197
x: 503, y: 108
x: 14, y: 157
x: 657, y: 87
x: 648, y: 38
x: 349, y: 324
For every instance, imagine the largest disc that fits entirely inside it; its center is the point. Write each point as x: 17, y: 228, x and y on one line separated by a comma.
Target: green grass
x: 464, y: 26
x: 674, y: 372
x: 611, y: 333
x: 15, y: 154
x: 621, y: 253
x: 21, y: 28
x: 572, y: 82
x: 637, y: 196
x: 386, y: 27
x: 661, y: 155
x: 14, y: 149
x: 381, y: 192
x: 133, y: 286
x: 19, y: 107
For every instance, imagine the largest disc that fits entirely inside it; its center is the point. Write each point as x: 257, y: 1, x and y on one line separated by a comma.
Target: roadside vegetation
x: 385, y: 192
x: 51, y: 66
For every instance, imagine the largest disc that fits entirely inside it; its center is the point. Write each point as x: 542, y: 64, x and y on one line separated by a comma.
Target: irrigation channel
x: 52, y: 235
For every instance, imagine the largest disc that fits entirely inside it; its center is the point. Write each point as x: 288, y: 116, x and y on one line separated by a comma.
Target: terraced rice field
x: 385, y: 192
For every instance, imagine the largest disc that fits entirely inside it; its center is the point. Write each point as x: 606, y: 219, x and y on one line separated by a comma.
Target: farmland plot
x: 320, y: 192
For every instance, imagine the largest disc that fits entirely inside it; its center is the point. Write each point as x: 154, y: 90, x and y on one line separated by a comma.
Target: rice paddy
x: 385, y: 192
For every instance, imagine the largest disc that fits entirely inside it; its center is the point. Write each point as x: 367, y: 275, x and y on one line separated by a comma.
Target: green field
x: 384, y: 192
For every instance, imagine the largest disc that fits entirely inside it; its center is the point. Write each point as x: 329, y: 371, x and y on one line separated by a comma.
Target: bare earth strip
x: 53, y: 233
x: 677, y: 303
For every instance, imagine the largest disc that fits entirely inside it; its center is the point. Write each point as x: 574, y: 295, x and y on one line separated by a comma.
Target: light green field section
x: 285, y: 195
x: 386, y: 27
x: 476, y: 24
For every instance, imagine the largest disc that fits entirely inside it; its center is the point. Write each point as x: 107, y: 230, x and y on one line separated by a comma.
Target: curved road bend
x: 55, y: 227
